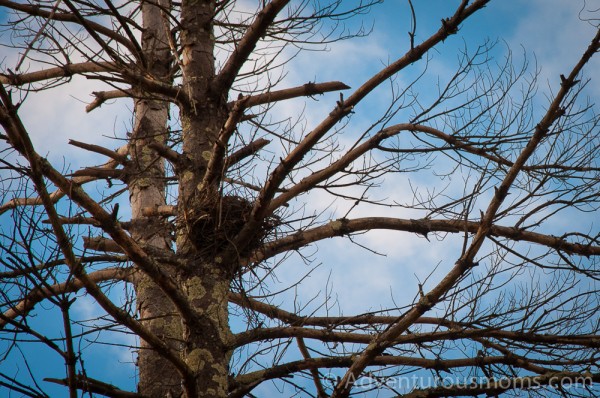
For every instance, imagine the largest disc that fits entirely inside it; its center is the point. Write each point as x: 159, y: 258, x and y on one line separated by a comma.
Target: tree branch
x: 50, y: 264
x: 20, y: 140
x: 466, y: 260
x: 454, y: 333
x: 216, y: 163
x: 246, y: 151
x: 58, y: 194
x: 99, y: 243
x: 263, y: 202
x: 424, y: 226
x: 57, y: 72
x: 88, y: 384
x: 305, y: 90
x: 223, y: 81
x: 41, y: 293
x: 103, y: 96
x: 69, y: 17
x: 244, y: 383
x: 115, y: 155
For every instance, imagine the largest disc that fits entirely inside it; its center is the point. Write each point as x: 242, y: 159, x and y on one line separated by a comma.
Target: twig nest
x: 213, y: 223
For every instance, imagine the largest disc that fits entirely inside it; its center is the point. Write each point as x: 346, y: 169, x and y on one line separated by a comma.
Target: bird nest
x: 213, y: 224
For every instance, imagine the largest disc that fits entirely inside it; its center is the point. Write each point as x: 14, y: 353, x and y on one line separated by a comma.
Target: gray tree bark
x: 157, y: 376
x: 204, y: 344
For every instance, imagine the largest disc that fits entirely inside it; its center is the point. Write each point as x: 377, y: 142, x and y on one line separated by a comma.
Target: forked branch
x: 466, y: 260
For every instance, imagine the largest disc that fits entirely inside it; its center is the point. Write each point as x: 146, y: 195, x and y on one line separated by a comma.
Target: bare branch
x: 58, y: 194
x: 57, y: 72
x: 159, y: 211
x: 466, y: 260
x: 122, y: 159
x: 67, y: 17
x: 88, y: 384
x: 246, y: 151
x: 263, y: 203
x: 103, y: 96
x: 42, y: 293
x: 246, y: 45
x: 306, y: 90
x: 422, y: 227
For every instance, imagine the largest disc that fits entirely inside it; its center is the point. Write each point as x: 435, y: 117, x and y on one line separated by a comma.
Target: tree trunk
x: 157, y: 376
x: 204, y: 280
x: 204, y: 345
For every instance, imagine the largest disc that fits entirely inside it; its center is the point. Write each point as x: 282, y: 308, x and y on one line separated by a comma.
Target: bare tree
x: 221, y: 187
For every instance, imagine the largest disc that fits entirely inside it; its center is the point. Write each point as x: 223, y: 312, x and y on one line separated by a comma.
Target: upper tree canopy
x: 189, y: 245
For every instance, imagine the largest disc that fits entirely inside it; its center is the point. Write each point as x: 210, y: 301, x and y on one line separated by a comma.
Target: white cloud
x: 557, y: 32
x: 361, y: 280
x: 114, y: 344
x: 52, y: 117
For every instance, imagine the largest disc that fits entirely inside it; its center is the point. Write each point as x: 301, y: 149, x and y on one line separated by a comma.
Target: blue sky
x: 523, y: 27
x: 550, y: 33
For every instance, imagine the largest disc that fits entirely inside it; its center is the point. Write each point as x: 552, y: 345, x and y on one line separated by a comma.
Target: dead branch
x: 466, y: 260
x: 101, y: 244
x: 306, y: 90
x: 56, y: 72
x: 115, y: 155
x: 248, y: 42
x: 43, y: 292
x: 58, y: 194
x: 103, y: 96
x: 163, y: 211
x: 422, y: 227
x: 67, y: 17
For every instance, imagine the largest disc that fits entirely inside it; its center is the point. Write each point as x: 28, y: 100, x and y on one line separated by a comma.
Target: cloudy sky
x: 550, y: 33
